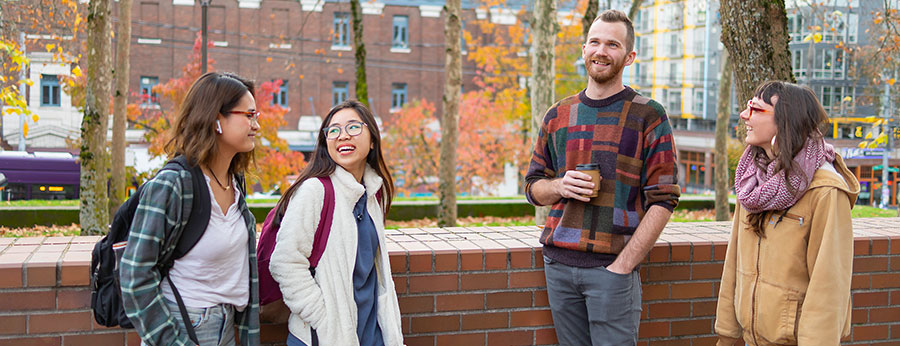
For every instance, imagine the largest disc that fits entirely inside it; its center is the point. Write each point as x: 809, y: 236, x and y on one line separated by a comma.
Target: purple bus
x: 40, y: 175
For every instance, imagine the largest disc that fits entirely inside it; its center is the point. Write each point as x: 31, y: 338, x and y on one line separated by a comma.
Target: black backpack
x: 106, y: 295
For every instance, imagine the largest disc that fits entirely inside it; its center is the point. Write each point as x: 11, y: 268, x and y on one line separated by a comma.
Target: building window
x: 400, y: 38
x: 674, y: 72
x: 698, y: 103
x: 673, y: 101
x: 796, y: 29
x: 148, y: 96
x: 398, y: 95
x: 280, y: 97
x: 829, y: 64
x: 674, y: 43
x: 339, y: 92
x: 341, y: 30
x: 462, y: 37
x: 838, y: 100
x: 49, y: 90
x: 645, y: 45
x: 798, y: 63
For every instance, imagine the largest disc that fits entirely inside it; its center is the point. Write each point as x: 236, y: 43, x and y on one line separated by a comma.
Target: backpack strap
x: 324, y: 227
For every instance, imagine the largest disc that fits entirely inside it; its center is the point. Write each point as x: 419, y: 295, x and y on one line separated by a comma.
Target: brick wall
x: 466, y: 286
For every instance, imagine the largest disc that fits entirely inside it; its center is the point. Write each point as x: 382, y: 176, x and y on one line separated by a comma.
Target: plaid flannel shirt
x: 165, y: 203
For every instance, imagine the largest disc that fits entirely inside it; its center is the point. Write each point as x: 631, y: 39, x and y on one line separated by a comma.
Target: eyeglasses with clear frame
x: 353, y: 128
x: 252, y: 115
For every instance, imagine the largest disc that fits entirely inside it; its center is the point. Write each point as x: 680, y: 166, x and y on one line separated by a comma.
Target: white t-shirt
x: 217, y: 269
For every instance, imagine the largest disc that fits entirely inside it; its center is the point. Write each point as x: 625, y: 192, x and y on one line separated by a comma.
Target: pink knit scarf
x: 759, y: 190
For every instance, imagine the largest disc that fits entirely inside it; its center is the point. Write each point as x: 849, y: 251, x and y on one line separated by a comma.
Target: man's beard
x: 602, y: 77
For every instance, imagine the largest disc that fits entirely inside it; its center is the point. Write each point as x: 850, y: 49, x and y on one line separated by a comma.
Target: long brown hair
x: 194, y: 131
x: 321, y: 164
x: 798, y: 117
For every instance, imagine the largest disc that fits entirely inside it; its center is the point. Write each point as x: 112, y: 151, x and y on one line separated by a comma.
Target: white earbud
x: 218, y: 127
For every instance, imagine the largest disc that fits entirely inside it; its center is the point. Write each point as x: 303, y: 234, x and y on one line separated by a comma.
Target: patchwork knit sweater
x: 630, y: 137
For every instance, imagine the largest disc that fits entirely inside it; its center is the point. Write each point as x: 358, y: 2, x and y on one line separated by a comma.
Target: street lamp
x: 204, y: 6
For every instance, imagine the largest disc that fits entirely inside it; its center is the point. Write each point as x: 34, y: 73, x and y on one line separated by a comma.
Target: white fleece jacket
x: 326, y: 302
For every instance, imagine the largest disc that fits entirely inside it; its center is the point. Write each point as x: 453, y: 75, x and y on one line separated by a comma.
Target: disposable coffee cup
x: 593, y: 170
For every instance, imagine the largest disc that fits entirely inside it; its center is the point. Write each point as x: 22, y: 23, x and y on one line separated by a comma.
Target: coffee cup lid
x: 587, y: 167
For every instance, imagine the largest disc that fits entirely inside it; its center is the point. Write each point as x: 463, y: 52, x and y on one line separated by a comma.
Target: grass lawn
x: 41, y: 203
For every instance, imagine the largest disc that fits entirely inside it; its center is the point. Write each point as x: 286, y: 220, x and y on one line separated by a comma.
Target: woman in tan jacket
x: 788, y: 266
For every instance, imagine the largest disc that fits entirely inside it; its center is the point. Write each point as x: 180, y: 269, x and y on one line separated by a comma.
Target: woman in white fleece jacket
x: 351, y: 299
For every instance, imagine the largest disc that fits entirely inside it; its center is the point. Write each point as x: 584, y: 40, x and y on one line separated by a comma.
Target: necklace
x: 217, y: 181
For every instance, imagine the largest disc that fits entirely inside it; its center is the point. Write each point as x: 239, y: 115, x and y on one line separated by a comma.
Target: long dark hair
x: 322, y: 165
x: 194, y: 131
x: 798, y: 117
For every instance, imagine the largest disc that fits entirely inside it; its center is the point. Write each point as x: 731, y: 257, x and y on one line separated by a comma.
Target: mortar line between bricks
x: 449, y: 293
x: 450, y: 272
x: 42, y: 312
x: 457, y: 332
x: 475, y: 312
x: 25, y: 269
x: 71, y: 333
x: 27, y: 289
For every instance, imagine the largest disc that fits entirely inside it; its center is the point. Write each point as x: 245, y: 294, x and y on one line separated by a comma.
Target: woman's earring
x: 218, y: 127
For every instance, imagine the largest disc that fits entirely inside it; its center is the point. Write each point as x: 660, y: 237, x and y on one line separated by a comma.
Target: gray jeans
x: 214, y: 325
x: 606, y: 304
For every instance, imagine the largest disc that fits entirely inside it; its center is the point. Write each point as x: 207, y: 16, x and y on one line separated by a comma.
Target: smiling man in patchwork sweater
x: 592, y: 246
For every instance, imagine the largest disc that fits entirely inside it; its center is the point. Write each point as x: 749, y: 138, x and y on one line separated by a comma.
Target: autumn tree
x: 755, y: 34
x: 94, y: 211
x: 274, y: 160
x: 723, y: 208
x: 120, y: 102
x: 359, y: 47
x: 543, y: 73
x: 450, y: 115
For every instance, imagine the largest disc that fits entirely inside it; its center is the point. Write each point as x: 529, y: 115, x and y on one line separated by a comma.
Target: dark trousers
x: 593, y: 306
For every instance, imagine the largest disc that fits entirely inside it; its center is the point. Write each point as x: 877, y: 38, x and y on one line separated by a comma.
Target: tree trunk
x: 755, y: 34
x: 723, y: 208
x: 94, y: 212
x: 120, y: 99
x: 589, y: 14
x: 635, y: 7
x: 543, y: 72
x: 450, y: 121
x: 362, y: 87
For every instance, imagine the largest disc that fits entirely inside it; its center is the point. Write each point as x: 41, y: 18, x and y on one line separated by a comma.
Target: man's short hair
x: 616, y: 16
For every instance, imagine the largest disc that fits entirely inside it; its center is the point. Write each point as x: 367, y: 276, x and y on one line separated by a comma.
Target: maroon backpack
x: 271, y: 301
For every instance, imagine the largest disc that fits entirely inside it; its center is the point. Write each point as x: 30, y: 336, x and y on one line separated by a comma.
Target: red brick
x: 655, y: 292
x: 886, y: 280
x: 483, y: 281
x: 527, y: 279
x: 512, y: 338
x: 669, y: 273
x: 75, y: 269
x: 495, y: 259
x: 870, y: 299
x: 653, y: 330
x: 693, y: 290
x: 880, y: 246
x: 491, y: 320
x: 719, y: 250
x: 658, y: 254
x: 471, y: 260
x: 891, y: 314
x: 73, y: 299
x: 681, y: 252
x: 692, y: 327
x: 416, y: 304
x: 40, y: 270
x: 895, y: 245
x: 699, y: 309
x: 541, y: 299
x: 546, y: 336
x: 134, y: 340
x: 530, y: 318
x: 681, y: 342
x: 43, y: 341
x: 862, y: 333
x: 446, y: 261
x: 700, y: 271
x: 429, y: 324
x: 108, y: 339
x: 400, y: 284
x: 12, y: 325
x: 459, y: 302
x: 861, y: 281
x: 861, y: 247
x: 895, y: 297
x: 420, y: 261
x: 859, y: 316
x: 538, y: 258
x: 398, y: 262
x: 669, y: 310
x: 870, y: 264
x: 702, y: 252
x: 895, y: 260
x: 59, y: 322
x: 419, y: 341
x: 11, y: 277
x: 433, y: 283
x: 30, y: 300
x: 519, y: 259
x: 473, y: 339
x: 508, y: 300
